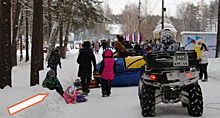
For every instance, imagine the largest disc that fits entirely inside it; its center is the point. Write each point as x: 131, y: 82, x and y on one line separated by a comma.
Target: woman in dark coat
x: 84, y: 60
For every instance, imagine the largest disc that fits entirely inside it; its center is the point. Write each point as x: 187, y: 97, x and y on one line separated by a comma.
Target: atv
x: 170, y: 77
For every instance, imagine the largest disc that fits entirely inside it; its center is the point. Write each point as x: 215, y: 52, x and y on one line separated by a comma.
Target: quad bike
x: 170, y: 77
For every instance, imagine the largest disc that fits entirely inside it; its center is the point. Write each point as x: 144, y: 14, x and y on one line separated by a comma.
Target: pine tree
x: 37, y: 42
x: 5, y: 43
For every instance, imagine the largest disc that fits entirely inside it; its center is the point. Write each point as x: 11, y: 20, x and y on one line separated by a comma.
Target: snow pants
x: 106, y: 87
x: 85, y: 84
x: 203, y: 70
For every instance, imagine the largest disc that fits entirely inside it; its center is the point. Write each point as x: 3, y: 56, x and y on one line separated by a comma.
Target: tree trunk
x: 218, y: 31
x: 49, y: 17
x: 15, y: 29
x: 68, y: 31
x: 27, y: 32
x: 37, y: 47
x: 61, y: 36
x: 53, y: 38
x: 40, y: 25
x: 20, y: 34
x: 5, y: 43
x: 61, y: 28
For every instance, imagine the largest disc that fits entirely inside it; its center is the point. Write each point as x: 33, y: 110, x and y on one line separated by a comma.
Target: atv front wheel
x: 148, y: 101
x: 195, y: 106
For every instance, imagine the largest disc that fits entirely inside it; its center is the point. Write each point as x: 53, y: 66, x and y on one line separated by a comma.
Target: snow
x: 166, y: 26
x: 197, y: 33
x: 123, y: 103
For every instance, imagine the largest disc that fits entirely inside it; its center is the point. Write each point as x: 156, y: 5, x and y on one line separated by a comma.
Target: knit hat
x: 51, y: 72
x: 86, y: 44
x: 58, y: 48
x: 200, y: 40
x: 70, y: 89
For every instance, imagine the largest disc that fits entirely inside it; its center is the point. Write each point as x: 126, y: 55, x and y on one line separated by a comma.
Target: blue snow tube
x: 127, y: 71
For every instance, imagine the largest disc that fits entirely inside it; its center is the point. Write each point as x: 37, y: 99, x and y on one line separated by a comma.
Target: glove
x: 199, y: 60
x: 80, y: 92
x: 60, y: 66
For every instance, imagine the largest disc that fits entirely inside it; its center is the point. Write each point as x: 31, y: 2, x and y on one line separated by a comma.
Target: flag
x: 191, y: 40
x: 127, y: 37
x: 197, y: 37
x: 134, y: 39
x: 141, y: 37
x: 138, y: 38
x: 131, y: 38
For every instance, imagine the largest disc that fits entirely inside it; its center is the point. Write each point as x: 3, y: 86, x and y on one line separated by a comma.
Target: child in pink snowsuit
x: 71, y: 96
x: 107, y: 71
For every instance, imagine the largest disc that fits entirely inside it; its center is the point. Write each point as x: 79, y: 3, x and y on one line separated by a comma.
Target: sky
x: 154, y: 6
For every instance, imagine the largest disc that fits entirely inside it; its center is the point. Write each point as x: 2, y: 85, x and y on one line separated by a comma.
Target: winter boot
x: 104, y: 95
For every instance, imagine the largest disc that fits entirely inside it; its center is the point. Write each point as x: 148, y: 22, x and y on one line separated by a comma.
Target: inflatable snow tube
x: 127, y: 71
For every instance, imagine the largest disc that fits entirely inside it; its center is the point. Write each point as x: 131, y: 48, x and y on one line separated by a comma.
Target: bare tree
x: 5, y: 43
x: 148, y: 25
x: 129, y: 18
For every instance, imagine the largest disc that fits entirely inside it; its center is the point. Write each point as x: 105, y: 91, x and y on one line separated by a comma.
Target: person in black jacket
x: 137, y: 48
x: 54, y: 59
x: 104, y: 45
x: 86, y: 56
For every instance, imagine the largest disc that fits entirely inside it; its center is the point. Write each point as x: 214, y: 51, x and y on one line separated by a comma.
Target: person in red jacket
x: 107, y: 71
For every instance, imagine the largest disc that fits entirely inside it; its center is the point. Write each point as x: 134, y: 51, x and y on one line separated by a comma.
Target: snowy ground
x: 123, y: 102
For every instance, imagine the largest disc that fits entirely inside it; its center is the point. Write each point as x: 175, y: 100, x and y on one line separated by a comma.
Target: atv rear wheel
x: 140, y: 83
x: 195, y: 106
x: 148, y: 101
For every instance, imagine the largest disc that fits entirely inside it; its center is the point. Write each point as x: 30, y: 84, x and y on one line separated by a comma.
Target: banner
x: 210, y: 39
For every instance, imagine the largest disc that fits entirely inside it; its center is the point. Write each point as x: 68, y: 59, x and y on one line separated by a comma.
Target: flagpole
x: 139, y: 18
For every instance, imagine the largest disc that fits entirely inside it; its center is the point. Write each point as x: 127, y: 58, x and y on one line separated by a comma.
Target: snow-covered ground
x: 123, y: 103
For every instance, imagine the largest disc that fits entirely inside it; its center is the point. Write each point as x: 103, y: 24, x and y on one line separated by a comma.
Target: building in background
x: 114, y: 30
x: 167, y: 25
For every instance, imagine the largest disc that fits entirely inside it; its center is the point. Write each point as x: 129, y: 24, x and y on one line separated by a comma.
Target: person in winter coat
x: 86, y: 56
x: 204, y: 63
x: 54, y: 59
x: 96, y: 47
x: 198, y: 51
x: 104, y: 45
x: 137, y: 48
x: 72, y: 96
x: 51, y: 82
x: 107, y: 71
x: 149, y: 48
x: 144, y: 47
x: 120, y: 49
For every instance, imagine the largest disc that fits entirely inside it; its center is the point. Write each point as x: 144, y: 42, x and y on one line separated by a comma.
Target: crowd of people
x: 86, y: 60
